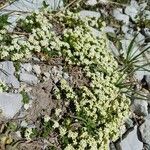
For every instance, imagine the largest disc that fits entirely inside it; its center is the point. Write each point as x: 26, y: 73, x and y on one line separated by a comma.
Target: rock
x: 130, y: 141
x: 129, y: 123
x: 147, y: 32
x: 91, y: 2
x: 36, y: 69
x: 96, y: 32
x: 147, y: 80
x: 87, y: 13
x: 10, y: 104
x: 109, y: 29
x: 147, y: 14
x: 117, y: 13
x: 46, y: 76
x: 7, y: 74
x: 131, y: 11
x: 28, y: 78
x: 30, y: 5
x: 140, y: 107
x: 140, y: 39
x: 113, y: 49
x: 112, y: 146
x: 26, y: 67
x: 145, y: 131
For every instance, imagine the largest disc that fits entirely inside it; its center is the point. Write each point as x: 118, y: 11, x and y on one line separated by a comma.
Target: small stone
x: 87, y: 13
x: 91, y: 2
x: 113, y: 48
x: 130, y: 141
x: 27, y: 67
x: 18, y: 133
x: 24, y: 123
x: 28, y: 78
x: 46, y: 74
x: 95, y: 32
x: 117, y: 13
x: 131, y: 11
x: 37, y: 69
x: 145, y: 131
x: 10, y: 104
x: 109, y: 29
x: 7, y: 74
x: 147, y: 32
x: 65, y: 75
x: 140, y: 107
x: 112, y: 146
x: 129, y: 123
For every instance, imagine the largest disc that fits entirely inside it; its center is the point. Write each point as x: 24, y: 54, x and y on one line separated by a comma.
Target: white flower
x: 46, y: 118
x: 72, y: 135
x: 56, y: 124
x: 62, y: 131
x: 28, y: 133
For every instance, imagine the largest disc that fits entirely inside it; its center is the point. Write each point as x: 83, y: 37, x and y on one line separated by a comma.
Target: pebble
x: 28, y: 78
x: 37, y: 69
x: 26, y: 67
x: 7, y: 74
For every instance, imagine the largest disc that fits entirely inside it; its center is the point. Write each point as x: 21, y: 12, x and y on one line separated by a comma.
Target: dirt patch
x: 42, y: 101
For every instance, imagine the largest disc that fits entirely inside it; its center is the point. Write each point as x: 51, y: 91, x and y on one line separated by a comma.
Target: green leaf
x: 45, y: 5
x: 25, y: 96
x: 3, y: 21
x: 135, y: 57
x: 130, y: 47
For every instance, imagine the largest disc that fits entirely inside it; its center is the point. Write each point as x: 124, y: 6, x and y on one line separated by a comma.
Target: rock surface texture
x: 10, y: 104
x: 130, y: 142
x: 145, y: 131
x: 7, y: 71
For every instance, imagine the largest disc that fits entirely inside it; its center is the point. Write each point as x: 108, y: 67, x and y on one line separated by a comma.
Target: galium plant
x: 94, y: 112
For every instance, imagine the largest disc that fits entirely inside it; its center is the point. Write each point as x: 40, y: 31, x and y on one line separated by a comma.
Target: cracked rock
x: 26, y: 67
x: 7, y: 74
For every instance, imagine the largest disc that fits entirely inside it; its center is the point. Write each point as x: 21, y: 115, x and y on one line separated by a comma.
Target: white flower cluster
x: 100, y: 108
x: 41, y: 38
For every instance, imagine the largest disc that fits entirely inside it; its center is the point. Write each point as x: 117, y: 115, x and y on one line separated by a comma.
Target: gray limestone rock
x: 91, y: 2
x: 129, y: 123
x: 7, y: 71
x: 37, y: 69
x: 10, y: 104
x: 130, y: 142
x: 140, y: 107
x: 117, y: 13
x: 26, y: 67
x: 28, y: 78
x: 145, y: 131
x: 87, y: 13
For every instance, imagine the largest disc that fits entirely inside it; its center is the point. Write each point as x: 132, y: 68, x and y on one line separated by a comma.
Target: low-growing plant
x: 94, y: 112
